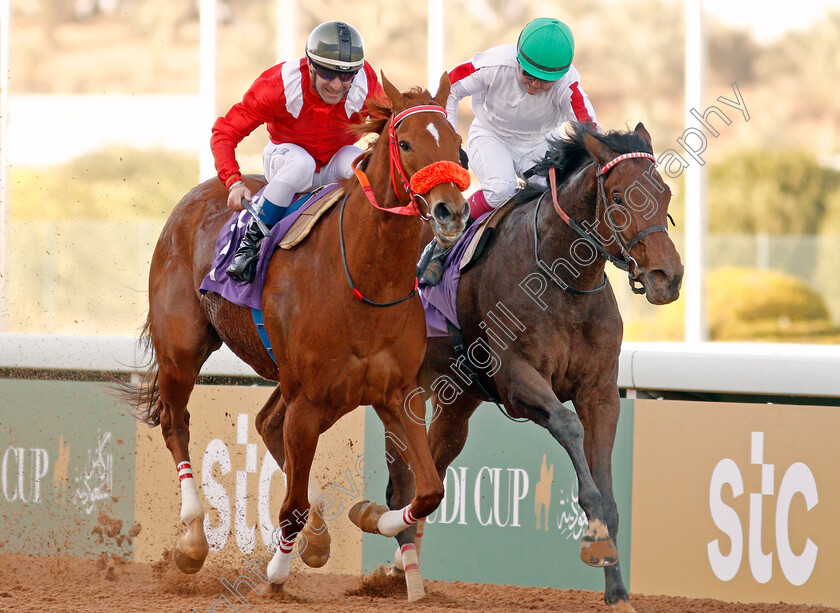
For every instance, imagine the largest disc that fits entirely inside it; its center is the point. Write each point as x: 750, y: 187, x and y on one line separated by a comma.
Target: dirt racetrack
x: 63, y: 584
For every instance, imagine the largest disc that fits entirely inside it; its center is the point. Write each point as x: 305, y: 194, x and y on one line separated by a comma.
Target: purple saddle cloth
x: 250, y: 294
x: 440, y: 301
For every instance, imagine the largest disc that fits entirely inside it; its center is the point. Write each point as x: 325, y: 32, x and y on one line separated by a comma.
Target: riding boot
x: 244, y: 266
x: 430, y: 266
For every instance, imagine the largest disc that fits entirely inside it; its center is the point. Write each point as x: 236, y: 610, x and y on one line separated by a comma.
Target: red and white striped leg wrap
x: 286, y: 546
x: 278, y: 568
x: 418, y: 538
x: 392, y: 523
x: 409, y: 565
x: 413, y: 578
x: 191, y: 507
x: 184, y: 471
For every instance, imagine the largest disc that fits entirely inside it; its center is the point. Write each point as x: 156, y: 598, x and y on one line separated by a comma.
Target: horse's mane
x: 377, y: 113
x: 567, y: 155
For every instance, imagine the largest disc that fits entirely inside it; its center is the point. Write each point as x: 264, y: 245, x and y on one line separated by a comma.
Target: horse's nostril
x: 441, y: 212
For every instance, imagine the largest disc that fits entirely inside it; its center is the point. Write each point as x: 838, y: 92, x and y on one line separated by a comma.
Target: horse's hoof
x: 317, y: 550
x: 393, y: 571
x: 598, y: 552
x: 366, y: 514
x: 191, y: 549
x: 185, y: 563
x: 622, y: 606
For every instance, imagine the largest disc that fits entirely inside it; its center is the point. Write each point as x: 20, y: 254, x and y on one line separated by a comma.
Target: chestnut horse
x: 333, y: 350
x: 561, y: 342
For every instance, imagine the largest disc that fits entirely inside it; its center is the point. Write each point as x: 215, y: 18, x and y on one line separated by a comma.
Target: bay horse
x: 545, y: 264
x: 333, y: 350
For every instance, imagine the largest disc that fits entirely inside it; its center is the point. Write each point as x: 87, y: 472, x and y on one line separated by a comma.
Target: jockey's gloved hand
x: 236, y: 193
x: 464, y: 158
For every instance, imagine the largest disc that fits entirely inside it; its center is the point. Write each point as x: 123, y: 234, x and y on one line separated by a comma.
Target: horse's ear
x: 642, y: 131
x: 598, y: 150
x: 442, y: 94
x: 393, y: 94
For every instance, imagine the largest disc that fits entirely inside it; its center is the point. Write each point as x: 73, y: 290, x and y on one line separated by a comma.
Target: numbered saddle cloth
x: 286, y: 233
x: 440, y: 301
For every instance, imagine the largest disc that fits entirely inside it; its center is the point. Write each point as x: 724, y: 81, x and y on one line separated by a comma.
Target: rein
x: 356, y: 292
x: 626, y: 261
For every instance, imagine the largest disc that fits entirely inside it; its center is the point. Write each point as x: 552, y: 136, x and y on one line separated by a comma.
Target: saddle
x: 481, y: 237
x: 303, y: 225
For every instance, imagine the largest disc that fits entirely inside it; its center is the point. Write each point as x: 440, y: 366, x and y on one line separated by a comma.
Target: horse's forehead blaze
x: 433, y: 131
x: 428, y: 127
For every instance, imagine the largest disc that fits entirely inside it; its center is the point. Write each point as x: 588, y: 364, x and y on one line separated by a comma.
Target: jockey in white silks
x: 521, y: 94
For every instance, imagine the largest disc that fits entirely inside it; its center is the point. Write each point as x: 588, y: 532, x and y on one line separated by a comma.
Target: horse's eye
x: 616, y: 198
x: 405, y: 146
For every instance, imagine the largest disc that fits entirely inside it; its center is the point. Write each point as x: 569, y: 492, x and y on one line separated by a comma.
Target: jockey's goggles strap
x: 626, y: 156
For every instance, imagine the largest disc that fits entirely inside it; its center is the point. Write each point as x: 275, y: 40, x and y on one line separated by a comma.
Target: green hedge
x: 777, y: 192
x: 745, y: 304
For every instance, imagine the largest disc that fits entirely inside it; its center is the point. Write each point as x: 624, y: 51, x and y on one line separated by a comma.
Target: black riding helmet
x: 337, y: 46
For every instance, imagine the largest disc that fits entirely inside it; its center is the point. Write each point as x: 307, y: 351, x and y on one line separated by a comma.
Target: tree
x: 781, y: 192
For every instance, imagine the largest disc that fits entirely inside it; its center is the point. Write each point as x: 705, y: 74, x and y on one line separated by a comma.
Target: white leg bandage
x: 278, y: 568
x: 191, y: 507
x: 394, y: 522
x: 413, y: 578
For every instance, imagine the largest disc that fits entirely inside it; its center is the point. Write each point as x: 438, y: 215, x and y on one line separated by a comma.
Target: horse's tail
x: 142, y: 398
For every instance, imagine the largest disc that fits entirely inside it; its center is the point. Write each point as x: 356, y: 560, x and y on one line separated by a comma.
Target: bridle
x: 441, y: 171
x: 626, y: 262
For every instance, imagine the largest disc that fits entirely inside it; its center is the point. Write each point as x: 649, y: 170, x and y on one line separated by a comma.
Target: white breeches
x: 497, y: 163
x: 290, y: 170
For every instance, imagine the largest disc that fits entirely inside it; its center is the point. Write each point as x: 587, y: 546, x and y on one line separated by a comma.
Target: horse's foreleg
x: 531, y: 395
x: 600, y: 418
x: 406, y: 421
x: 300, y: 439
x: 269, y: 423
x: 447, y: 437
x: 399, y: 493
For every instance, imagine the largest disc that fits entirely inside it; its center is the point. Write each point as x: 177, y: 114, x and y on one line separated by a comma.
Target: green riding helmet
x: 336, y: 45
x: 545, y: 48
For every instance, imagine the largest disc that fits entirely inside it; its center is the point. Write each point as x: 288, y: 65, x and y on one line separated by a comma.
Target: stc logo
x: 797, y: 479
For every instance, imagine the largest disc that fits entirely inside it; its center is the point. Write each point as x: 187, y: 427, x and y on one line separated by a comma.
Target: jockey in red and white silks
x: 307, y: 106
x: 512, y: 126
x: 284, y: 98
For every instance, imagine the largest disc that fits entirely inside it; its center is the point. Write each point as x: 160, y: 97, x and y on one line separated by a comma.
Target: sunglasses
x: 532, y: 79
x: 328, y: 75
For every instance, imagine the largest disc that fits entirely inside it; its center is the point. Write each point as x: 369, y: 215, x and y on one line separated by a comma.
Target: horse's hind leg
x: 531, y: 395
x: 183, y: 340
